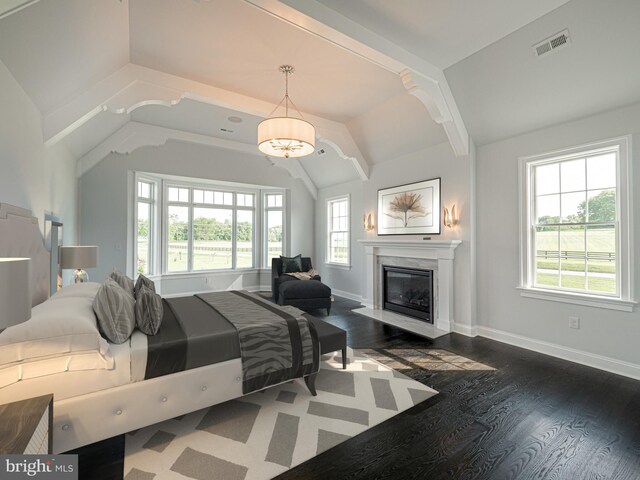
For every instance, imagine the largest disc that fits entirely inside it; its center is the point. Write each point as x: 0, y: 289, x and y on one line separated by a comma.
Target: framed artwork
x: 412, y: 209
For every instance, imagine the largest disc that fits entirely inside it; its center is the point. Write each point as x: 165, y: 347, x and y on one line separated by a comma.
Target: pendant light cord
x: 286, y: 99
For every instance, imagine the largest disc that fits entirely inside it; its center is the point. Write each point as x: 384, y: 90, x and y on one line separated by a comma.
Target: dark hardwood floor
x: 533, y: 417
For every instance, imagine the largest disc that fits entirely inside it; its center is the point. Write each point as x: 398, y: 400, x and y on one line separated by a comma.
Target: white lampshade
x: 286, y: 137
x: 15, y: 291
x: 79, y: 257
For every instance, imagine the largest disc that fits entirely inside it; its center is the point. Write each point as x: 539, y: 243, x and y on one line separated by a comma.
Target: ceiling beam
x: 421, y: 79
x: 134, y: 86
x: 9, y: 7
x: 134, y: 135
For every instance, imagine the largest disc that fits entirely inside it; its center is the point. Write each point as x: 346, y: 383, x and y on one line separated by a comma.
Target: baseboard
x: 619, y: 367
x: 469, y: 331
x: 347, y: 295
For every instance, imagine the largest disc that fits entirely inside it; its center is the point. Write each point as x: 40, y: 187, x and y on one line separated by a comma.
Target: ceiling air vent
x: 552, y: 43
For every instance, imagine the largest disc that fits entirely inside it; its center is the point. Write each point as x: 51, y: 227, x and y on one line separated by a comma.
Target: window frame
x: 623, y: 299
x: 265, y: 222
x: 191, y: 204
x: 329, y: 220
x: 153, y: 222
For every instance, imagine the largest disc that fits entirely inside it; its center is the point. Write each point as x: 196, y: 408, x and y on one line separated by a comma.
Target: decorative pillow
x: 149, y: 310
x: 114, y: 308
x: 144, y: 281
x: 291, y: 264
x: 124, y: 281
x: 58, y: 326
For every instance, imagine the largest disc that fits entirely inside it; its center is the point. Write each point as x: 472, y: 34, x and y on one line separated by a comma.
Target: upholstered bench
x: 305, y: 294
x: 331, y: 338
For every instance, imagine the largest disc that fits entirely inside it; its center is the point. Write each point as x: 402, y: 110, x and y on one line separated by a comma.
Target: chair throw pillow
x: 124, y: 281
x: 291, y: 264
x: 149, y: 310
x: 115, y: 311
x: 144, y: 281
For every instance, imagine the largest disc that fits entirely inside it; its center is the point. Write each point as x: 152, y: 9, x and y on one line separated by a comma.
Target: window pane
x: 572, y: 175
x: 198, y: 196
x: 245, y: 200
x: 547, y: 179
x: 572, y: 257
x: 572, y: 206
x: 548, y: 209
x: 547, y: 273
x: 178, y: 194
x: 274, y: 200
x: 245, y: 239
x: 274, y: 234
x: 547, y: 242
x: 601, y: 171
x: 602, y: 205
x: 143, y: 254
x: 601, y: 265
x: 144, y: 190
x: 228, y: 198
x: 208, y: 197
x: 177, y: 243
x: 212, y: 233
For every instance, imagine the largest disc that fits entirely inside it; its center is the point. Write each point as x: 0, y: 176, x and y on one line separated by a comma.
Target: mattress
x: 70, y: 384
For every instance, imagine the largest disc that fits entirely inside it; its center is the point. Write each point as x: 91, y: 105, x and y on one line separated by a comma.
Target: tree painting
x: 406, y: 206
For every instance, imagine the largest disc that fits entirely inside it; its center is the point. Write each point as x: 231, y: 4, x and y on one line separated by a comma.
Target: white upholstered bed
x: 96, y: 400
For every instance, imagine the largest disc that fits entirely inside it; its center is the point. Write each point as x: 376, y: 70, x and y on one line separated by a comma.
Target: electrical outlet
x: 574, y: 322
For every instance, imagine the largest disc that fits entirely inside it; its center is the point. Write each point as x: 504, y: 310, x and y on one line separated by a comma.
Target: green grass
x: 577, y: 265
x: 596, y: 284
x: 603, y: 240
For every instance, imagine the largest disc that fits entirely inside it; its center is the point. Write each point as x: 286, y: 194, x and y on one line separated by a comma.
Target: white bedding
x: 72, y: 383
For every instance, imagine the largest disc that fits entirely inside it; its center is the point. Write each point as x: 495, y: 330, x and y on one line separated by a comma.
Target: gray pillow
x: 114, y: 308
x: 291, y: 264
x: 149, y: 310
x: 124, y: 281
x: 142, y: 280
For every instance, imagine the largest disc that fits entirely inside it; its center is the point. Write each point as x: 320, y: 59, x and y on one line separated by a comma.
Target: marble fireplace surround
x: 436, y: 255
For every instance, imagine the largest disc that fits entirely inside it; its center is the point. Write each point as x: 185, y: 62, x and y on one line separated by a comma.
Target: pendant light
x: 286, y: 136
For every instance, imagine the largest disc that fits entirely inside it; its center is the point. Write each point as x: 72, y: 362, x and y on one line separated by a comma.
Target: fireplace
x: 408, y: 291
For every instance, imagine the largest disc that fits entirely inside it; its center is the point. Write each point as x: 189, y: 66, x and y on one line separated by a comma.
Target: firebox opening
x: 409, y: 291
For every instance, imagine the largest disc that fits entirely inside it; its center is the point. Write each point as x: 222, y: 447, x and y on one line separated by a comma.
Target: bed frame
x: 85, y: 419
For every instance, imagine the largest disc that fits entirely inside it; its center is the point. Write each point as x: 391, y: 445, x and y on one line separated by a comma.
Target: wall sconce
x: 367, y: 220
x: 450, y: 219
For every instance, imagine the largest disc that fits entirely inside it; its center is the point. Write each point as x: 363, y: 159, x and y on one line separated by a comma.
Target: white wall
x: 104, y: 191
x: 31, y: 175
x: 438, y: 161
x: 500, y: 307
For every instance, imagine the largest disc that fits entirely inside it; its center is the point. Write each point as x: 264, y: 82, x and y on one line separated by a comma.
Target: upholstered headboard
x: 20, y: 236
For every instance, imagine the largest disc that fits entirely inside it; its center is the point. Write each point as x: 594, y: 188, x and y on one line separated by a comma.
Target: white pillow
x: 59, y: 326
x: 88, y: 289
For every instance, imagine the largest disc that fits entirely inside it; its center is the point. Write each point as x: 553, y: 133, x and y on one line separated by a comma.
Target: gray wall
x: 500, y: 306
x: 438, y: 161
x: 31, y: 175
x: 104, y: 190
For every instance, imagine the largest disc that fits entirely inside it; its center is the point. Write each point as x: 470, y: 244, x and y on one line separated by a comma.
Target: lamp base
x: 80, y: 276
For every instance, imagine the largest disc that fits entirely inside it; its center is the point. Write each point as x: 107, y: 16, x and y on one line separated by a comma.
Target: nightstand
x: 25, y: 426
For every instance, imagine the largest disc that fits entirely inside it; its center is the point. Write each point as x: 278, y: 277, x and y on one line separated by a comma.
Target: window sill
x: 578, y: 299
x: 208, y: 273
x: 339, y: 266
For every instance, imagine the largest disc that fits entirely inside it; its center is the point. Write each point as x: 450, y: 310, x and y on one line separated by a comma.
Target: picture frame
x: 411, y: 209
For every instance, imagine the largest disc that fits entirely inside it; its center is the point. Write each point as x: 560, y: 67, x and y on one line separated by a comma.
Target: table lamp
x: 79, y: 258
x: 15, y: 291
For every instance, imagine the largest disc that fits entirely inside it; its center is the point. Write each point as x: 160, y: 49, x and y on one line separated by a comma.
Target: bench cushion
x: 331, y: 338
x: 303, y: 289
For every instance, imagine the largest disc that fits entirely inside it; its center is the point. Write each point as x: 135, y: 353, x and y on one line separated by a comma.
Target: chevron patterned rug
x: 261, y: 435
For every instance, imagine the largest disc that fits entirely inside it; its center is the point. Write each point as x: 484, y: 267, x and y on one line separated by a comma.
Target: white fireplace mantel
x: 440, y: 251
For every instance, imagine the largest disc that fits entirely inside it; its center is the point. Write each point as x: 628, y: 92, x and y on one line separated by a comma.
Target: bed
x: 103, y: 389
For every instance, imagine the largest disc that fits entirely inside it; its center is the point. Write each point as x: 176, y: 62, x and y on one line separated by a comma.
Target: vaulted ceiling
x: 379, y: 79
